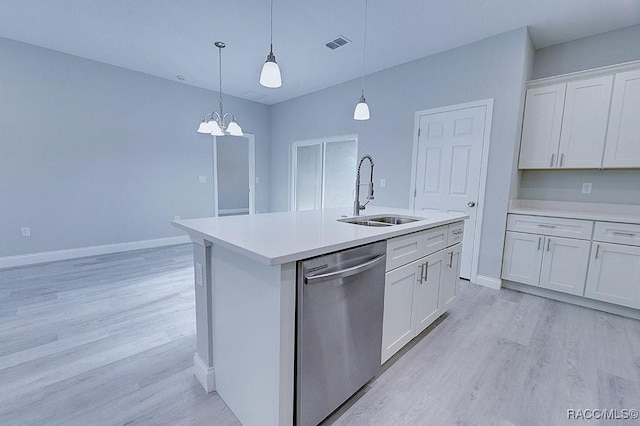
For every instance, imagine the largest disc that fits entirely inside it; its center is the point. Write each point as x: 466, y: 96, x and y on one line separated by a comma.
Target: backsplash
x: 608, y: 186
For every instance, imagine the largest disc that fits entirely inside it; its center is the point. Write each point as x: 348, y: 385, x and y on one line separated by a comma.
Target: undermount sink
x: 380, y: 220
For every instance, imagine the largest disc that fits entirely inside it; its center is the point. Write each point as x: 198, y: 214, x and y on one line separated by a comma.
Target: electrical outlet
x: 176, y: 218
x: 586, y: 188
x: 383, y: 183
x: 202, y: 179
x: 199, y: 274
x: 25, y: 231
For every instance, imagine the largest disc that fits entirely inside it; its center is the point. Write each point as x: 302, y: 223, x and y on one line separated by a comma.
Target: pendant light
x: 216, y: 124
x: 362, y: 109
x: 270, y: 75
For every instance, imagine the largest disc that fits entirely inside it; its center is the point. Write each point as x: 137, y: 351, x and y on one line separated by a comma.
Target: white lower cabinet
x: 614, y: 274
x: 416, y: 294
x: 555, y: 263
x: 449, y: 286
x: 522, y: 257
x: 426, y: 294
x: 564, y: 265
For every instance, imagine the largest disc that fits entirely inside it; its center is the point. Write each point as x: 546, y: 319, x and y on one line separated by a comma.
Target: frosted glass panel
x: 308, y: 179
x: 340, y: 173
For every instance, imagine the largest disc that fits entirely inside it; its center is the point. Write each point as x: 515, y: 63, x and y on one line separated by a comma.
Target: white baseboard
x: 204, y: 374
x: 488, y: 282
x: 52, y: 256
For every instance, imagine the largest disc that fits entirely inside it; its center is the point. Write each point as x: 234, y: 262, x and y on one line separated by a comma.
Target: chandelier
x: 219, y: 124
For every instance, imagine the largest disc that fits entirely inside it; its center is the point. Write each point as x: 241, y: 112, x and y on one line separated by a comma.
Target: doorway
x: 234, y: 175
x: 450, y: 156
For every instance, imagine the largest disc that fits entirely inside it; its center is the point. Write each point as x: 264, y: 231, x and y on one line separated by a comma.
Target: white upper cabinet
x: 541, y: 127
x: 585, y: 120
x: 584, y: 123
x: 623, y: 135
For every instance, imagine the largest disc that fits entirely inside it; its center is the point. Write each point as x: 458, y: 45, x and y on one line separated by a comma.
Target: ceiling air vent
x: 337, y: 42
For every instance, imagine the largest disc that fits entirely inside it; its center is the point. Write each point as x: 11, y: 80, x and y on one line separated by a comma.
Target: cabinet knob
x: 471, y: 203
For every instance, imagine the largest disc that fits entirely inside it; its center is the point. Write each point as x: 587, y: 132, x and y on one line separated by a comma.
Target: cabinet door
x: 522, y: 257
x: 622, y: 148
x: 449, y: 285
x: 564, y: 265
x: 614, y: 274
x: 541, y: 127
x: 397, y: 326
x: 427, y: 290
x: 584, y: 122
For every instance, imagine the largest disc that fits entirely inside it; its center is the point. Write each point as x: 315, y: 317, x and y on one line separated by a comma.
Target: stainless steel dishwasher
x: 338, y: 328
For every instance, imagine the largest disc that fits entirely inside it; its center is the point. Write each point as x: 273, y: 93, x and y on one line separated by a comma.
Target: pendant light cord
x: 271, y: 39
x: 364, y: 44
x: 220, y: 68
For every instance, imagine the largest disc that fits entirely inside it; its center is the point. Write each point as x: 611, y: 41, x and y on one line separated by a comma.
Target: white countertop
x: 626, y: 213
x: 277, y: 238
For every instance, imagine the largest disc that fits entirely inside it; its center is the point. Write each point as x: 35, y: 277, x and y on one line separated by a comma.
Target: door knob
x: 471, y: 203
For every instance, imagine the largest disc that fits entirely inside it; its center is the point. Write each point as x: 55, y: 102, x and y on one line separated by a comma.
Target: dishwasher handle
x: 343, y: 273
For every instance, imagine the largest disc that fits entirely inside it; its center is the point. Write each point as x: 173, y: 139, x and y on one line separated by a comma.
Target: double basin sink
x: 380, y: 220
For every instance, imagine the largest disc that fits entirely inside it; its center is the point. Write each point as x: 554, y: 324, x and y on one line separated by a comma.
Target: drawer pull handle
x: 539, y: 241
x: 561, y: 158
x: 548, y: 243
x: 541, y: 225
x: 426, y: 271
x: 450, y: 259
x: 421, y: 273
x: 597, y: 250
x: 552, y: 156
x: 624, y: 234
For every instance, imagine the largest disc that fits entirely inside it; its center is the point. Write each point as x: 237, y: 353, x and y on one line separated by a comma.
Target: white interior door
x: 450, y: 167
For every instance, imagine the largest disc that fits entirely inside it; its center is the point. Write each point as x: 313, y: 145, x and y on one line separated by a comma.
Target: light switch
x: 202, y: 179
x: 586, y: 188
x: 383, y: 183
x: 25, y: 231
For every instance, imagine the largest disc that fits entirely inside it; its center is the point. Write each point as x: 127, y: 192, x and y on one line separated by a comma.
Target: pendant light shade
x: 270, y: 76
x: 362, y: 109
x: 215, y: 125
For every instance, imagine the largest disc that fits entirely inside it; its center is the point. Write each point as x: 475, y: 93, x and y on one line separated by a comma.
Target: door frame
x: 251, y: 141
x: 486, y: 141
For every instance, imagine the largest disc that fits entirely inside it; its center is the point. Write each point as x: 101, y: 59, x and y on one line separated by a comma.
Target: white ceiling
x: 166, y: 38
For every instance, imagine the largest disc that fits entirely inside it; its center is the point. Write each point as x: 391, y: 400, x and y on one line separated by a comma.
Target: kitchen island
x: 245, y: 289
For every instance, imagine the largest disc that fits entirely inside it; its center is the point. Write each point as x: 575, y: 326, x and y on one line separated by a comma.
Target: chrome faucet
x: 356, y: 204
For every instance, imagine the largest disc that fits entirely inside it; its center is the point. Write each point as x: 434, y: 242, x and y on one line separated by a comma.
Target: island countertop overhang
x: 278, y: 238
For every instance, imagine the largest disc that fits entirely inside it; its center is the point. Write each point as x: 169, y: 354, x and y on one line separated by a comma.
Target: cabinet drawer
x: 559, y: 227
x: 456, y: 231
x: 619, y: 233
x: 407, y: 248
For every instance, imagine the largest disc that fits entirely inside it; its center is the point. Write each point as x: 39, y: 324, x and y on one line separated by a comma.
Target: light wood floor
x: 109, y: 340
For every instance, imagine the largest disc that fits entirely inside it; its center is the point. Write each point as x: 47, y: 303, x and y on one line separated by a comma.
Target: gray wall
x: 491, y: 68
x: 92, y: 154
x: 609, y: 186
x: 609, y: 48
